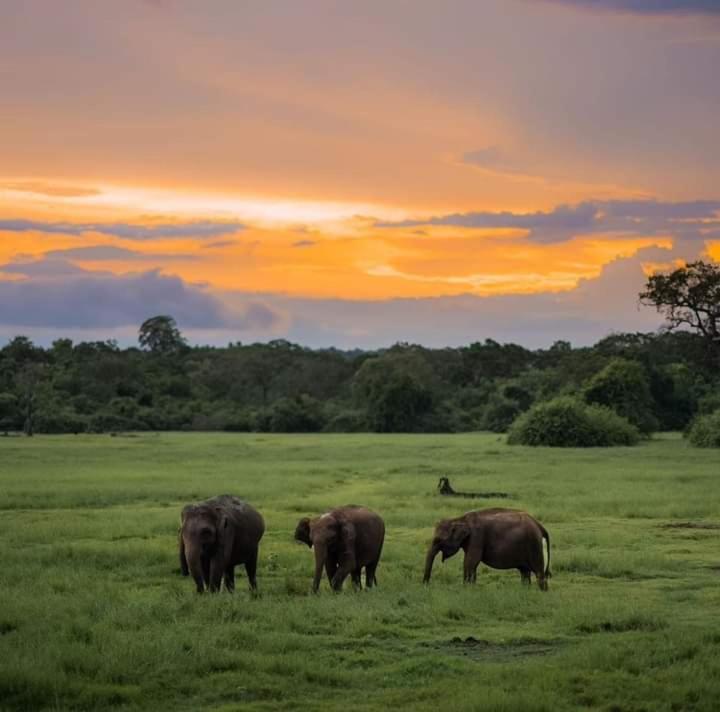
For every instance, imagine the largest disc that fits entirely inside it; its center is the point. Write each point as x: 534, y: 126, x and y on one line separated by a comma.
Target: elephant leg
x: 370, y: 578
x: 470, y: 565
x: 230, y: 578
x: 251, y: 570
x: 525, y: 576
x: 356, y: 580
x: 542, y: 581
x: 344, y: 570
x: 184, y: 570
x: 331, y: 567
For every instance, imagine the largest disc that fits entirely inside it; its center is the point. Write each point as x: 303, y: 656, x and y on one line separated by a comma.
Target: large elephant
x: 215, y: 536
x: 346, y: 540
x: 499, y: 538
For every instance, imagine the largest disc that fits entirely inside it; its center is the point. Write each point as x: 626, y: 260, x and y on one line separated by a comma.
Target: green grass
x: 94, y: 614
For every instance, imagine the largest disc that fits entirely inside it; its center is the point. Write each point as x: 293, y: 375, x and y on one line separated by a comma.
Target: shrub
x: 296, y: 415
x: 705, y: 430
x: 347, y: 421
x: 59, y: 422
x: 500, y: 415
x: 623, y: 386
x: 108, y: 422
x: 568, y: 422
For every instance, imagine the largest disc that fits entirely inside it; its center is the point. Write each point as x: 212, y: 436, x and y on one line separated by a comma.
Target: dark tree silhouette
x: 689, y: 296
x: 161, y: 335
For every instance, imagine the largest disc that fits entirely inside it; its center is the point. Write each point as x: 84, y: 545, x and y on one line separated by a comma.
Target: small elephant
x: 345, y: 540
x: 215, y: 536
x: 500, y: 538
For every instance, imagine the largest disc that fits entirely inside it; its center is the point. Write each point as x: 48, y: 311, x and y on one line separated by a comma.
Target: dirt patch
x: 486, y: 651
x: 691, y: 525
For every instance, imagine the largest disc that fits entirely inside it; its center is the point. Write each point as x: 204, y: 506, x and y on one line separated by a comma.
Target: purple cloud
x: 128, y: 231
x: 649, y: 7
x: 103, y: 253
x: 686, y: 221
x: 57, y: 294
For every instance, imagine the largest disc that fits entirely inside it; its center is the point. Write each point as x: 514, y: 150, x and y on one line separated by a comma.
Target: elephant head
x: 450, y: 535
x: 333, y: 539
x: 206, y: 534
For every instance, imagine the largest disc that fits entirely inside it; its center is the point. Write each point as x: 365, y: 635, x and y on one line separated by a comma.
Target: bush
x: 60, y: 422
x: 568, y: 422
x: 110, y: 422
x: 347, y: 421
x: 705, y: 430
x: 623, y: 386
x: 500, y: 415
x: 296, y: 415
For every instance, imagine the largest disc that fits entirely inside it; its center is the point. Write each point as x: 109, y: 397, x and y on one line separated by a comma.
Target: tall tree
x: 161, y: 335
x: 689, y: 296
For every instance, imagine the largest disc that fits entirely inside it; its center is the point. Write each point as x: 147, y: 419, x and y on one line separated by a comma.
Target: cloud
x: 128, y: 231
x: 103, y: 253
x: 50, y: 189
x: 686, y: 221
x: 59, y: 295
x: 649, y: 7
x: 584, y: 315
x: 304, y: 243
x: 219, y: 244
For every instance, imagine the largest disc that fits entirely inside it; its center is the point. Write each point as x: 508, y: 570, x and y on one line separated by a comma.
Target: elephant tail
x: 546, y: 537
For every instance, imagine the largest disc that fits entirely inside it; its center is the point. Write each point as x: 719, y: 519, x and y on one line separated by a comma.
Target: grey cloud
x: 304, y: 243
x: 218, y: 244
x: 59, y: 295
x: 649, y: 7
x: 686, y: 221
x: 102, y: 253
x: 128, y: 231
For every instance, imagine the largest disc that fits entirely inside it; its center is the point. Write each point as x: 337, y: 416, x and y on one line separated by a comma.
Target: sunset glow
x: 343, y: 159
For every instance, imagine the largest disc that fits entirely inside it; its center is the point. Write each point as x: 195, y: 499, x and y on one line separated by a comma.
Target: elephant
x: 345, y: 540
x: 215, y: 536
x: 500, y: 538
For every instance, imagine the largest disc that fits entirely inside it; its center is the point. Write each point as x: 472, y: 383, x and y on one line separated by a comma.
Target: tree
x: 689, y: 296
x: 623, y: 386
x: 161, y: 335
x: 396, y: 390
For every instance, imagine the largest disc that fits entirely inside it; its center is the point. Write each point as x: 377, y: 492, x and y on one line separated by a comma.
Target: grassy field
x: 94, y: 613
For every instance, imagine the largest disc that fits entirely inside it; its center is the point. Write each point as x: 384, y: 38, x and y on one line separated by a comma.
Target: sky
x: 353, y: 174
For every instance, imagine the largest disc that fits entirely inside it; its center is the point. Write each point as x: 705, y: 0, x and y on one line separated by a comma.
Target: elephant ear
x: 302, y: 531
x: 459, y: 532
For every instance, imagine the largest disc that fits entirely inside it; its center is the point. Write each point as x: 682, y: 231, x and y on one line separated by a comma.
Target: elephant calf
x: 217, y: 535
x: 499, y: 538
x: 345, y: 540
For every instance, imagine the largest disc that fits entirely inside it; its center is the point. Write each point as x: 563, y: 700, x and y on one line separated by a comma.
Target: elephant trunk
x: 193, y: 556
x: 432, y: 553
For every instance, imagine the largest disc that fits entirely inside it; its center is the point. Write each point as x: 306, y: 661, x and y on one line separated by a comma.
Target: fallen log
x: 445, y: 488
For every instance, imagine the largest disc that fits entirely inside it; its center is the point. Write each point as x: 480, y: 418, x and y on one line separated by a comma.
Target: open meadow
x: 95, y: 615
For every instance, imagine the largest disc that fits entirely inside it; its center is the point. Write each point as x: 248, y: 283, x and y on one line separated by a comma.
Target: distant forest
x: 658, y: 381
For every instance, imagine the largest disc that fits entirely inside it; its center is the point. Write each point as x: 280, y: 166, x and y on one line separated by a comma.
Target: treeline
x: 657, y: 381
